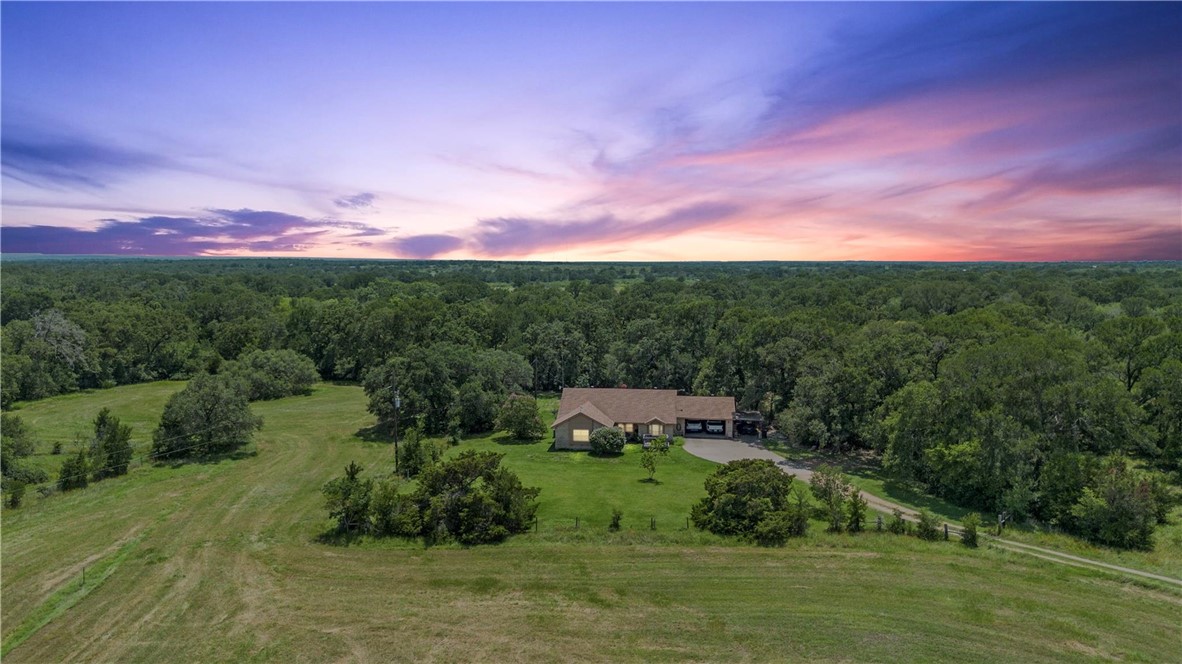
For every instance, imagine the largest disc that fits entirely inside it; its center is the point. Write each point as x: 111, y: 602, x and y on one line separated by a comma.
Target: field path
x: 723, y: 450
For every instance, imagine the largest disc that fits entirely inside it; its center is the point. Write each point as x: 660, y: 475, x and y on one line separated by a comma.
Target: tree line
x: 1029, y: 389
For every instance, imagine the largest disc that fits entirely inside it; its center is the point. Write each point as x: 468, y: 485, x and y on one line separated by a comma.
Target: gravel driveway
x: 722, y: 450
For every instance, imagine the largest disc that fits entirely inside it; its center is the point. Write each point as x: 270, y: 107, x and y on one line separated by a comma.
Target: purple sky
x: 662, y: 131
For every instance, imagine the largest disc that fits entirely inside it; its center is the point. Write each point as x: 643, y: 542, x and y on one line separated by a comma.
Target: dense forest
x: 1033, y: 389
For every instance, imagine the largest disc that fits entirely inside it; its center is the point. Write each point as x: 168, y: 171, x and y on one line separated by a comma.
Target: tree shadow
x: 337, y: 537
x: 207, y: 460
x: 650, y: 480
x: 504, y: 438
x: 374, y: 434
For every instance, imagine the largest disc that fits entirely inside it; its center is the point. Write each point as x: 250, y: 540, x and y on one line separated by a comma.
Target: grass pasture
x: 220, y: 561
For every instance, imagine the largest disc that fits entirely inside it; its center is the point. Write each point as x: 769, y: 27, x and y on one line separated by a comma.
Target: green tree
x: 210, y: 416
x: 657, y: 449
x: 830, y: 488
x: 928, y: 527
x: 856, y: 511
x: 16, y: 443
x: 347, y: 500
x: 1126, y: 337
x: 110, y: 450
x: 971, y: 522
x: 1118, y: 508
x: 738, y: 496
x: 273, y: 374
x: 607, y: 440
x: 519, y: 416
x: 75, y: 471
x: 471, y: 499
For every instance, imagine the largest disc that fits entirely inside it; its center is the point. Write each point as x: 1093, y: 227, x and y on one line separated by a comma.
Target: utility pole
x: 397, y: 407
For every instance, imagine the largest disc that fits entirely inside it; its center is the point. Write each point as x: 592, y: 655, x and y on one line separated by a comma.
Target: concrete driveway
x: 722, y: 450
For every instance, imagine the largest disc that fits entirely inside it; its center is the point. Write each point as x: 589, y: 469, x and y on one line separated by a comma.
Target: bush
x: 393, y: 513
x: 110, y: 449
x: 607, y: 440
x: 798, y: 515
x: 856, y: 509
x: 519, y: 416
x: 929, y: 526
x: 416, y: 453
x: 971, y: 522
x: 16, y: 493
x: 774, y: 529
x: 347, y: 500
x: 830, y: 488
x: 739, y: 495
x: 471, y: 499
x: 617, y: 514
x: 273, y: 374
x: 1119, y: 508
x: 75, y: 472
x: 57, y: 447
x: 897, y: 524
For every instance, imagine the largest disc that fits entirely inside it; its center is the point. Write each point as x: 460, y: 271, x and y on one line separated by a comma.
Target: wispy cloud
x: 219, y: 231
x: 69, y: 162
x: 356, y: 201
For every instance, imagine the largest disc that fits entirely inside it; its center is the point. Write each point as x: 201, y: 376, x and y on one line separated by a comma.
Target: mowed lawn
x: 220, y: 561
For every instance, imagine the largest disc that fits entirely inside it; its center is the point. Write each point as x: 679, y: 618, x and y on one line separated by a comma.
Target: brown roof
x: 640, y: 406
x: 586, y: 408
x: 621, y: 405
x: 706, y: 408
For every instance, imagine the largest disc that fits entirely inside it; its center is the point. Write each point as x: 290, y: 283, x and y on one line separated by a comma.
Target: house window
x: 628, y: 427
x: 656, y: 429
x: 581, y: 435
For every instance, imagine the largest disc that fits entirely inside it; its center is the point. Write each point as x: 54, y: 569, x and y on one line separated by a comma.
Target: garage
x: 705, y: 427
x: 748, y: 423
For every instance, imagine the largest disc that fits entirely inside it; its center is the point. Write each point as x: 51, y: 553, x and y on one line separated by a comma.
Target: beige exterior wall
x: 564, y: 433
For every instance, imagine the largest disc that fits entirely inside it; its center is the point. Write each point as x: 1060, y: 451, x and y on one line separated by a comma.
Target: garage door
x: 707, y: 427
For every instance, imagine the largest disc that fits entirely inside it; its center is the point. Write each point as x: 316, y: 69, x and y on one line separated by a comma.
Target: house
x: 638, y: 412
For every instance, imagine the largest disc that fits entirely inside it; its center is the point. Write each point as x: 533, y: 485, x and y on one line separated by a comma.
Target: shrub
x: 830, y: 488
x: 416, y: 453
x: 393, y: 513
x: 739, y: 494
x: 928, y: 527
x: 16, y: 493
x: 617, y: 514
x: 897, y: 524
x: 856, y: 509
x: 970, y: 522
x: 1119, y: 508
x: 110, y: 449
x: 607, y: 440
x: 57, y: 447
x: 798, y: 515
x: 347, y: 500
x: 774, y: 529
x: 74, y: 471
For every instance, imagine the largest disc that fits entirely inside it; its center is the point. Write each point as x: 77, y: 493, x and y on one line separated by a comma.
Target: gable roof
x: 586, y: 408
x: 610, y: 406
x: 620, y: 405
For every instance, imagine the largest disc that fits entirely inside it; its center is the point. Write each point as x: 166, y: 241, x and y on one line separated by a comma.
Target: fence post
x: 880, y: 523
x: 652, y: 523
x: 945, y: 532
x: 687, y: 523
x: 576, y: 523
x: 535, y: 525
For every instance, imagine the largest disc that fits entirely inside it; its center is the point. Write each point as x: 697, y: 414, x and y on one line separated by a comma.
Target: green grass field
x: 220, y: 561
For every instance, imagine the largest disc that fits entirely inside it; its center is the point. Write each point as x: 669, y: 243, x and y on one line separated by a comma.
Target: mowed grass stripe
x: 229, y: 568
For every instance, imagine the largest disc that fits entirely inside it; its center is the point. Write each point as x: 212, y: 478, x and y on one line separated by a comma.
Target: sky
x: 593, y: 131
